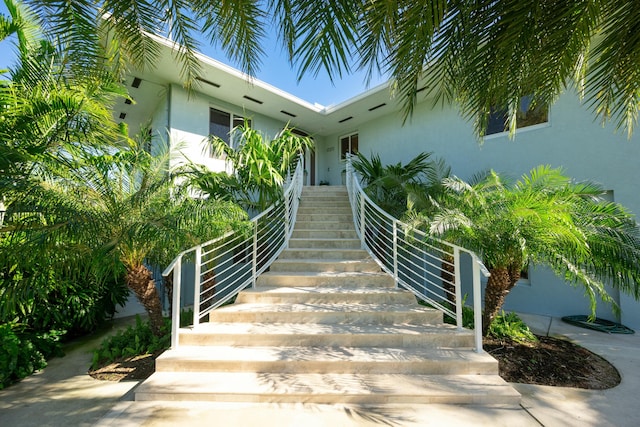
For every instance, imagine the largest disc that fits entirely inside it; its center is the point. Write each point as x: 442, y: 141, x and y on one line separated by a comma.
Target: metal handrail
x: 224, y: 266
x: 416, y: 260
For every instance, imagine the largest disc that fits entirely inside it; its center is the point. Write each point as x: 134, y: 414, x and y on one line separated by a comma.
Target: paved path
x: 63, y: 395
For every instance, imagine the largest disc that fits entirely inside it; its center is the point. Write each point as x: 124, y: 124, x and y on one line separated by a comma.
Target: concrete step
x: 303, y: 253
x: 313, y: 334
x: 327, y: 388
x: 345, y: 313
x: 345, y: 218
x: 325, y: 295
x: 321, y: 279
x: 327, y: 360
x: 323, y: 225
x: 329, y: 234
x: 326, y: 243
x: 345, y: 210
x: 324, y: 265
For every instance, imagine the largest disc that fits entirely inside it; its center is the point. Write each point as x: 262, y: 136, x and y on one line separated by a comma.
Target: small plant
x: 510, y: 326
x: 133, y: 341
x: 467, y: 313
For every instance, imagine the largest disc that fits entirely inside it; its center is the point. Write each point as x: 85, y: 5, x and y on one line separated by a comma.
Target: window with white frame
x: 528, y: 114
x: 221, y: 124
x: 348, y: 144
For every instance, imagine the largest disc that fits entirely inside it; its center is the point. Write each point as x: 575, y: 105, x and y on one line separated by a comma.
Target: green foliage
x: 260, y: 167
x: 57, y: 290
x: 23, y: 352
x: 504, y: 326
x: 510, y: 326
x: 468, y: 320
x: 132, y: 341
x: 397, y: 188
x: 543, y: 218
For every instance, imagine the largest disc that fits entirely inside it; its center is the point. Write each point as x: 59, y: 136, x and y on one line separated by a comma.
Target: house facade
x: 566, y: 136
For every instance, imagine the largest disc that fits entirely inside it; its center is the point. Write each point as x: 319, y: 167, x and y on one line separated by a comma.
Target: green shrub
x: 133, y: 341
x: 60, y: 291
x: 510, y: 326
x: 22, y: 353
x: 467, y: 313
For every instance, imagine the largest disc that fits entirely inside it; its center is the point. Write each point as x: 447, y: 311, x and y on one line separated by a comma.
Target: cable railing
x: 430, y: 268
x: 217, y: 270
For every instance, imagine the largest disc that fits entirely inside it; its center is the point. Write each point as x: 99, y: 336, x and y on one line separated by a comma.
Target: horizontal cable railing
x: 428, y: 267
x: 218, y: 270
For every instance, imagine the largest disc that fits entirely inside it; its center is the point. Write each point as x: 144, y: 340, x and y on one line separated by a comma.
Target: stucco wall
x: 189, y: 124
x: 571, y: 139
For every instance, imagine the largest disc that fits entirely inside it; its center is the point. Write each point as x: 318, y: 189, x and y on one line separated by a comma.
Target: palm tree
x: 259, y: 167
x: 482, y: 55
x: 125, y: 210
x: 543, y: 218
x: 49, y: 114
x: 394, y: 186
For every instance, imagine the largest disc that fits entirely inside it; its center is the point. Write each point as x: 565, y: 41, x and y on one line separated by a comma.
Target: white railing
x: 428, y: 267
x: 223, y: 267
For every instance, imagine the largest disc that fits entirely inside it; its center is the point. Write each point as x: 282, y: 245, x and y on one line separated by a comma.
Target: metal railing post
x: 477, y: 305
x: 196, y: 286
x: 362, y: 222
x: 254, y: 257
x: 287, y: 218
x: 457, y: 286
x: 395, y: 253
x: 175, y: 305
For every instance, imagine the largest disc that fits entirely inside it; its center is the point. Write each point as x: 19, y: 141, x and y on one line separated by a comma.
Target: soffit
x: 225, y: 83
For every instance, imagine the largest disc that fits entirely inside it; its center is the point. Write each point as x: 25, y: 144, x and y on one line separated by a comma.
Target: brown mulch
x: 127, y: 369
x: 550, y: 361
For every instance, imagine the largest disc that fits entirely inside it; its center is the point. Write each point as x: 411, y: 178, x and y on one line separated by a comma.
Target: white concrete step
x: 325, y: 295
x: 324, y: 243
x: 345, y: 218
x: 345, y: 313
x: 307, y: 279
x: 324, y: 225
x: 310, y: 233
x: 345, y: 209
x: 327, y: 360
x: 328, y: 388
x: 318, y: 253
x: 324, y: 265
x: 314, y: 334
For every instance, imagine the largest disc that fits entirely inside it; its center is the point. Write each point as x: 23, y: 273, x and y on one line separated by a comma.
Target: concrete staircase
x: 324, y: 325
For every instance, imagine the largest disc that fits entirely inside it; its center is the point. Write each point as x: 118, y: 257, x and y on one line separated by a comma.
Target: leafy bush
x: 133, y: 341
x: 22, y: 353
x: 510, y: 326
x: 59, y: 291
x: 504, y: 326
x: 467, y: 313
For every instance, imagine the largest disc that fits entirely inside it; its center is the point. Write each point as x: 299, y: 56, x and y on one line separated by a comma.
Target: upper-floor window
x: 348, y: 144
x: 221, y: 123
x: 529, y: 114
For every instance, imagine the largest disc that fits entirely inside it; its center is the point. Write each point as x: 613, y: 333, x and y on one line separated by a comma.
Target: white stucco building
x: 372, y: 123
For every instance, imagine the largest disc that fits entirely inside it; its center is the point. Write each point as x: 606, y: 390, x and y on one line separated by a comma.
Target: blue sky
x: 275, y: 70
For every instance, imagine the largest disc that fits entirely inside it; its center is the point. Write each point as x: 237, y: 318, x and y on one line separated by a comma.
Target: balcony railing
x: 430, y: 268
x: 219, y: 269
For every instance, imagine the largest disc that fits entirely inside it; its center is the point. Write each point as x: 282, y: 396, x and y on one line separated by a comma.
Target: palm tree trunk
x: 500, y: 283
x: 449, y: 278
x: 140, y: 281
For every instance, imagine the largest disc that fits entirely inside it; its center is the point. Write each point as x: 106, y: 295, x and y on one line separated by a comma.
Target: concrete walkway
x: 64, y: 395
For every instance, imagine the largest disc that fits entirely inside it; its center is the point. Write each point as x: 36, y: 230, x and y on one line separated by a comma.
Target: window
x: 529, y: 114
x: 222, y: 123
x: 348, y: 144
